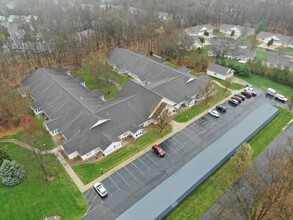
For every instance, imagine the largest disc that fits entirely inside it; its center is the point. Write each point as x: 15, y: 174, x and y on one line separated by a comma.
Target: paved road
x: 130, y: 183
x: 281, y: 141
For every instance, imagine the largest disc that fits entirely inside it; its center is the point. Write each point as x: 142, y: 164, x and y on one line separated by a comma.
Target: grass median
x: 200, y: 200
x: 90, y: 171
x: 201, y: 107
x: 36, y: 198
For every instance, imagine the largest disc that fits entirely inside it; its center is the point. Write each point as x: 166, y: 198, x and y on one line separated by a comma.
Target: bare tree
x: 290, y: 102
x: 264, y: 191
x: 227, y: 84
x: 208, y: 91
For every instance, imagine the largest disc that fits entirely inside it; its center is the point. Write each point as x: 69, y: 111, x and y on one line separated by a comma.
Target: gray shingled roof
x: 162, y: 199
x: 228, y: 27
x: 195, y: 29
x: 219, y: 69
x: 132, y: 107
x: 144, y: 68
x: 283, y: 38
x: 180, y: 88
x: 62, y: 98
x: 280, y: 61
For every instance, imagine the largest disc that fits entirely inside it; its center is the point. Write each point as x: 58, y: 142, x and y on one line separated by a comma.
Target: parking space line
x: 122, y: 178
x: 114, y: 183
x: 171, y: 148
x: 130, y: 172
x: 151, y: 160
x: 87, y: 192
x: 144, y: 164
x: 137, y: 168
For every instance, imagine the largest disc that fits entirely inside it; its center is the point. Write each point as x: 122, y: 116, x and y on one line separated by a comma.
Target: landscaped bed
x: 36, y: 198
x: 200, y: 200
x: 90, y: 171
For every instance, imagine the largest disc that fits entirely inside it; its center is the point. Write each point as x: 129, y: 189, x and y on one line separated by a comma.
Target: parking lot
x: 130, y: 183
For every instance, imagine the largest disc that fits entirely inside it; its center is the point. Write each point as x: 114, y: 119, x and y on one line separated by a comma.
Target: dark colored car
x: 221, y: 108
x: 158, y: 150
x: 240, y: 96
x: 233, y: 102
x: 237, y: 98
x: 246, y: 94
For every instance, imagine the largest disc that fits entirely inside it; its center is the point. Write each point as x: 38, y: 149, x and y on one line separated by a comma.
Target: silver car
x: 214, y: 113
x: 100, y: 189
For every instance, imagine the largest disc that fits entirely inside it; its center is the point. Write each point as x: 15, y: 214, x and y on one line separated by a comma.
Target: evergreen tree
x: 11, y: 173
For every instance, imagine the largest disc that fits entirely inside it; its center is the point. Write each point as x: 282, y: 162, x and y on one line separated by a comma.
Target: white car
x: 250, y: 90
x: 214, y: 113
x: 281, y: 98
x: 100, y: 189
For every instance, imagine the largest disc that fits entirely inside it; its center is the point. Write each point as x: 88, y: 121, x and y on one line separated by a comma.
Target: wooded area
x: 66, y: 31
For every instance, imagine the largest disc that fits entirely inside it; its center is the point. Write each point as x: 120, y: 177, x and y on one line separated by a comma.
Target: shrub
x: 3, y: 156
x: 206, y: 33
x: 201, y: 39
x: 270, y: 42
x: 232, y: 33
x: 11, y: 173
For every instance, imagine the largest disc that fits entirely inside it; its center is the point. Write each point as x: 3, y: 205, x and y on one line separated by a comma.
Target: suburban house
x: 229, y: 48
x: 220, y: 72
x: 14, y: 18
x: 87, y: 123
x: 279, y: 62
x: 199, y: 30
x: 196, y: 43
x: 159, y: 78
x: 2, y: 18
x: 278, y: 39
x: 238, y: 30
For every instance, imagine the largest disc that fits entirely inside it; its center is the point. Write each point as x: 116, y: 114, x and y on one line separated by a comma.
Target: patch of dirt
x: 10, y: 132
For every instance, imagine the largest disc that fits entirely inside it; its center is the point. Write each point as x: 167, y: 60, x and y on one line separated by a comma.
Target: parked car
x: 158, y: 151
x: 251, y: 91
x: 101, y: 190
x: 271, y: 92
x: 221, y: 108
x: 240, y: 96
x: 233, y: 102
x: 246, y: 94
x: 237, y: 98
x: 214, y: 113
x: 281, y: 98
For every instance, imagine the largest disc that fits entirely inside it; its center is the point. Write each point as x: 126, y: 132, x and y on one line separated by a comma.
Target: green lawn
x: 90, y: 171
x: 287, y: 50
x: 200, y: 200
x: 47, y: 139
x: 217, y: 33
x: 233, y: 86
x: 111, y: 91
x: 262, y: 55
x: 265, y: 83
x: 36, y: 198
x: 197, y: 109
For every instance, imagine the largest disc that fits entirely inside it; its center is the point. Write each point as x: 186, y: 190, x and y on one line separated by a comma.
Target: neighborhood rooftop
x: 147, y: 70
x: 219, y: 69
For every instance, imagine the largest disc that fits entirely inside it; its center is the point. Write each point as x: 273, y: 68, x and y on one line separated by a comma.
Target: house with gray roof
x: 279, y: 62
x: 278, y: 39
x: 238, y: 30
x: 199, y: 30
x: 220, y: 72
x: 87, y: 123
x: 159, y: 78
x: 229, y: 48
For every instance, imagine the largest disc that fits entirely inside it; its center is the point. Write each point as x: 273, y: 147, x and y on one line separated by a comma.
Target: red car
x: 237, y: 98
x: 158, y: 150
x: 246, y: 94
